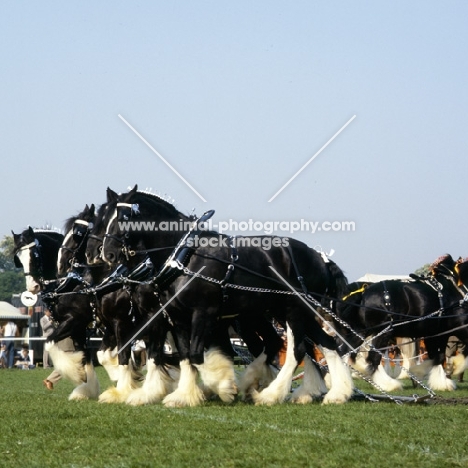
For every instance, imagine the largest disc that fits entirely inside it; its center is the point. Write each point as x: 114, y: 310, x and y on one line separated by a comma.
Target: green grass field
x: 43, y: 429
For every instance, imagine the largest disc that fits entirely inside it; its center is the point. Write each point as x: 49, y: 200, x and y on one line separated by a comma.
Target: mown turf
x: 44, y: 429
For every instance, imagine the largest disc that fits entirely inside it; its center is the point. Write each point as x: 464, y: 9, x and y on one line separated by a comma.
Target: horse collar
x: 181, y: 255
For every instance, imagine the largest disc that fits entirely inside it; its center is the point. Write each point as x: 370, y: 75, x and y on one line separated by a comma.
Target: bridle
x: 37, y: 271
x: 80, y: 234
x: 34, y: 247
x: 125, y: 212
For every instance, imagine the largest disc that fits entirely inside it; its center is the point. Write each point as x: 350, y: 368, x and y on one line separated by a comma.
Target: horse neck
x: 97, y: 273
x: 171, y: 227
x: 449, y: 289
x: 157, y: 247
x: 80, y: 254
x: 338, y: 286
x: 49, y: 248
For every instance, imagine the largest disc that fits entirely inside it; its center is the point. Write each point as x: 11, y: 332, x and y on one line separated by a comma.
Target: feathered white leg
x: 88, y: 390
x: 313, y: 385
x: 384, y: 381
x: 158, y: 383
x: 408, y: 351
x: 217, y: 373
x: 460, y: 364
x: 188, y: 393
x: 279, y: 389
x: 341, y: 382
x: 125, y: 384
x: 68, y: 364
x: 110, y: 361
x: 257, y: 375
x: 438, y: 381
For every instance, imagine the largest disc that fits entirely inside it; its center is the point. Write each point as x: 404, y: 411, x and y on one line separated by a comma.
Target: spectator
x: 64, y: 345
x: 10, y: 331
x: 3, y: 356
x: 24, y: 361
x: 47, y: 325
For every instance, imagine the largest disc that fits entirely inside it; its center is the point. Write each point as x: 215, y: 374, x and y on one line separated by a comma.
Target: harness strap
x: 437, y: 287
x: 181, y: 253
x: 29, y: 246
x: 300, y: 278
x: 230, y: 268
x: 386, y: 295
x: 357, y: 291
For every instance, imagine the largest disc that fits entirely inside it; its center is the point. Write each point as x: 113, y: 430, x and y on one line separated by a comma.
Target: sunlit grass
x: 43, y: 429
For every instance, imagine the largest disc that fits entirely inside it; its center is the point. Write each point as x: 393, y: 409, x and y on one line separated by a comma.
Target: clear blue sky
x: 237, y: 96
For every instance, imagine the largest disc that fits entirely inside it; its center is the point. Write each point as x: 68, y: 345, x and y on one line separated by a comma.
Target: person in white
x: 10, y: 331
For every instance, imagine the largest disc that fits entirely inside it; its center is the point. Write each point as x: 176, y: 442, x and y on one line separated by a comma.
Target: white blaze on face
x: 109, y: 225
x: 25, y: 258
x: 61, y: 270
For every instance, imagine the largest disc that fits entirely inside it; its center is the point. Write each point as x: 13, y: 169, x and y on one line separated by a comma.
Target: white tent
x: 9, y: 312
x: 372, y: 278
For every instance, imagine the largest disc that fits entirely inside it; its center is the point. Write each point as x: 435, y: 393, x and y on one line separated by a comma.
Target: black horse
x: 162, y: 376
x: 125, y: 310
x: 72, y: 251
x: 348, y: 305
x: 432, y: 308
x: 231, y: 277
x: 37, y: 251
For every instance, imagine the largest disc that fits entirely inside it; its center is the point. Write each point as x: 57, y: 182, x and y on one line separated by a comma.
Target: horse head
x: 36, y: 251
x: 461, y: 270
x: 444, y: 265
x: 135, y: 220
x: 72, y: 250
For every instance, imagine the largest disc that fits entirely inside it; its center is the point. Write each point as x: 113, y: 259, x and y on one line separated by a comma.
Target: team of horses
x: 192, y: 287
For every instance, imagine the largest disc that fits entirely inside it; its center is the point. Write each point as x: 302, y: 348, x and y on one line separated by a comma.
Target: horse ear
x: 134, y: 189
x: 91, y: 209
x: 31, y: 231
x: 111, y: 195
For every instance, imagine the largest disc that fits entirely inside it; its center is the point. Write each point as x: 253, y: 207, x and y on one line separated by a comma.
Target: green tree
x: 11, y: 278
x: 424, y: 270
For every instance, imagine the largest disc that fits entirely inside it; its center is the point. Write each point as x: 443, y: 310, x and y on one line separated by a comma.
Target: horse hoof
x: 302, y: 399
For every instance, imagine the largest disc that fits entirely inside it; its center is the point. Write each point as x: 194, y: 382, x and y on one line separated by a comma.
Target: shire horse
x: 406, y: 346
x: 80, y: 301
x: 231, y: 277
x: 124, y: 311
x: 162, y: 376
x: 37, y: 252
x: 432, y: 308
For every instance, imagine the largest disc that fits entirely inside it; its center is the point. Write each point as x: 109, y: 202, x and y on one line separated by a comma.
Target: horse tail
x: 338, y: 286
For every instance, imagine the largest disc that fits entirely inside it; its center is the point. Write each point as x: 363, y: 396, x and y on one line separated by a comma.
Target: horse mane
x: 54, y: 232
x: 340, y: 282
x: 100, y: 220
x: 160, y: 200
x: 87, y: 214
x: 70, y: 222
x: 164, y: 198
